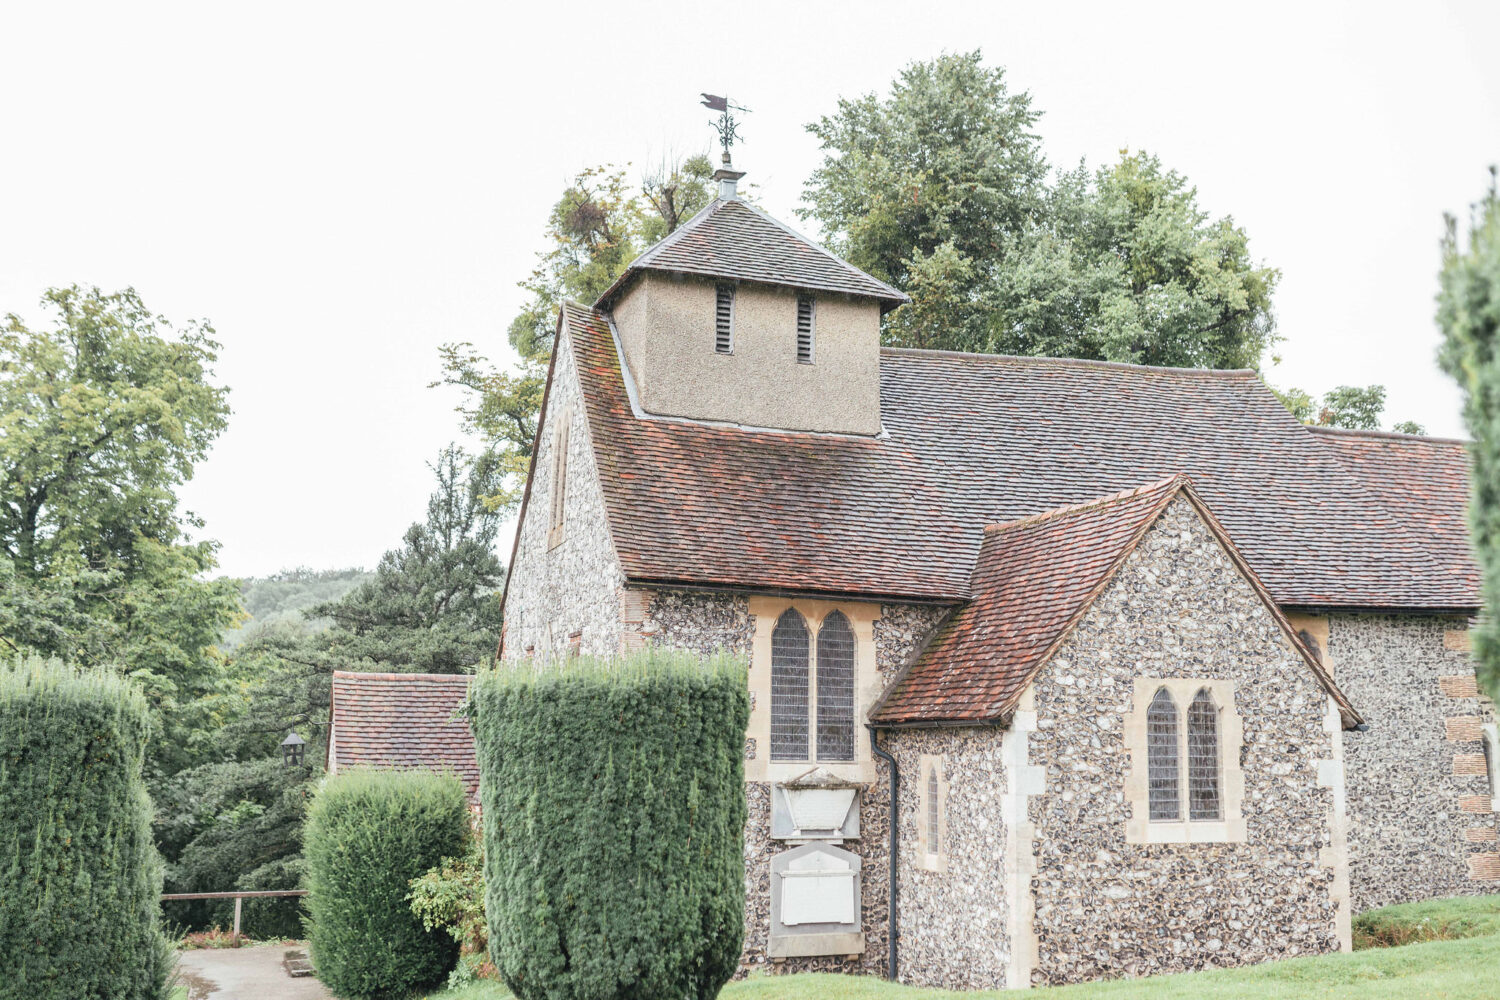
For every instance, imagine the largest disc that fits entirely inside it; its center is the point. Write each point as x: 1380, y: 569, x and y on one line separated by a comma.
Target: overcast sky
x: 342, y: 188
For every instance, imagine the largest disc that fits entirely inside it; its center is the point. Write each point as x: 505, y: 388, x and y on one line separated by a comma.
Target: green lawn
x: 1434, y: 970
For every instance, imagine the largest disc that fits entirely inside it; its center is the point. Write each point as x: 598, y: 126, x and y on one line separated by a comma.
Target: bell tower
x: 737, y: 318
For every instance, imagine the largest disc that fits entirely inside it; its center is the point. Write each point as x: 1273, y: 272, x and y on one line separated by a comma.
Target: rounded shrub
x: 368, y: 834
x: 614, y: 814
x: 79, y: 874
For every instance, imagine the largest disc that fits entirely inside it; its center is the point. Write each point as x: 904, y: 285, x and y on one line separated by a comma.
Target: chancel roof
x: 976, y: 440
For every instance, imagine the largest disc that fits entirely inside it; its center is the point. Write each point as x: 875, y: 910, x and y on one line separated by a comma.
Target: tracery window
x: 789, y: 677
x: 1203, y: 757
x: 835, y: 688
x: 1161, y: 757
x: 813, y: 688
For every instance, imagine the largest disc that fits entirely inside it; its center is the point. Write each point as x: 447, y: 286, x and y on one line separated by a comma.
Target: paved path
x: 244, y: 974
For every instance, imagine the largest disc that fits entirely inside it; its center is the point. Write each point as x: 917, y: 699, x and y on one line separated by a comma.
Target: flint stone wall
x: 952, y: 924
x: 708, y: 622
x: 1105, y: 908
x: 1408, y: 822
x: 573, y: 587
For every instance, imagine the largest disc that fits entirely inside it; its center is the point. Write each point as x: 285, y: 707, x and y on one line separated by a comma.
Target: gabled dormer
x: 738, y: 318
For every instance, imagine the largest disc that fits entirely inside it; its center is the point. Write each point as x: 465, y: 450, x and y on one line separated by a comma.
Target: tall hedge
x: 1469, y: 316
x: 79, y: 874
x: 614, y: 814
x: 368, y: 834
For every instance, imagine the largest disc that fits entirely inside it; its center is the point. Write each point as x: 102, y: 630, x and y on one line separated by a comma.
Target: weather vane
x: 727, y: 126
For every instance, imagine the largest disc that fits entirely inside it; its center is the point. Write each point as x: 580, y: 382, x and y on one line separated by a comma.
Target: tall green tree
x: 928, y: 188
x: 1469, y: 315
x: 599, y: 225
x: 941, y: 188
x: 431, y: 607
x: 1123, y: 265
x: 1349, y: 406
x: 104, y: 413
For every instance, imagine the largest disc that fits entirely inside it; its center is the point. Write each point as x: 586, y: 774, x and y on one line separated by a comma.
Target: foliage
x: 80, y: 876
x: 925, y: 190
x: 277, y: 601
x: 451, y: 897
x: 215, y: 939
x: 1350, y: 406
x: 102, y: 416
x: 432, y: 606
x: 1469, y: 316
x: 941, y: 188
x: 369, y: 833
x: 1123, y: 265
x: 598, y: 226
x: 1427, y: 920
x: 614, y: 808
x: 429, y: 607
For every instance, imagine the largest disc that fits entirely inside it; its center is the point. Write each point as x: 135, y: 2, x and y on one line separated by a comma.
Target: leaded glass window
x: 835, y: 688
x: 1203, y: 757
x: 1161, y: 757
x: 934, y: 815
x: 789, y: 676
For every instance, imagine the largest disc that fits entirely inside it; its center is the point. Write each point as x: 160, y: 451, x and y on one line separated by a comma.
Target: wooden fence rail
x: 236, y: 896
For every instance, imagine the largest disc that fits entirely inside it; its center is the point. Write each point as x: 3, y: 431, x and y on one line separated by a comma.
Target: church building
x: 1059, y: 670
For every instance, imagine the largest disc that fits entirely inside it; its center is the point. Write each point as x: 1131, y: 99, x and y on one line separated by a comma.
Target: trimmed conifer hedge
x: 368, y: 834
x: 614, y: 815
x: 79, y: 874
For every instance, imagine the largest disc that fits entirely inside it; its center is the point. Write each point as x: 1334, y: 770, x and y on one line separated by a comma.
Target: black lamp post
x: 291, y: 750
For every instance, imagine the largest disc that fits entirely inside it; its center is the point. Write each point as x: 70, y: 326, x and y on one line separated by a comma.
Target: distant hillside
x: 278, y: 600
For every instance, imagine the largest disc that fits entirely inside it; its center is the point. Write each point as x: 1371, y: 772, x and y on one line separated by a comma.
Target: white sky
x: 341, y: 188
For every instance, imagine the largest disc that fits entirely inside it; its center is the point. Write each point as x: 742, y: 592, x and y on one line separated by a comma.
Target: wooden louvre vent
x: 724, y: 319
x: 805, y: 329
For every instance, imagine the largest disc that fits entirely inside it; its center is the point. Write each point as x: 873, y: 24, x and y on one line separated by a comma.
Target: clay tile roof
x: 730, y: 239
x: 403, y: 720
x: 1422, y: 481
x: 971, y: 440
x: 1034, y: 580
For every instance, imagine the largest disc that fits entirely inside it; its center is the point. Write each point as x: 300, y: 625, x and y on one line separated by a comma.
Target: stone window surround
x: 928, y: 859
x: 1492, y: 762
x: 558, y: 488
x: 765, y: 611
x: 1140, y: 829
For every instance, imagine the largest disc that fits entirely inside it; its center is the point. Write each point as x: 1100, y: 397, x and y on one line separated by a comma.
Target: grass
x: 1430, y: 920
x: 1461, y: 961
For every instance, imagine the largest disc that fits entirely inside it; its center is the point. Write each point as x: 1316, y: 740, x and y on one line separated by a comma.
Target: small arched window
x: 1161, y: 757
x: 836, y: 688
x: 789, y: 672
x: 1203, y: 757
x: 934, y: 813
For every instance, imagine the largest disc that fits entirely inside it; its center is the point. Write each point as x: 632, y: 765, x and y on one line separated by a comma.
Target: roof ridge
x: 1386, y: 435
x: 920, y: 352
x: 1073, y: 508
x: 397, y: 676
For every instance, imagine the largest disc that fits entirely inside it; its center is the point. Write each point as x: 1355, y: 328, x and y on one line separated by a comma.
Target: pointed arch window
x: 789, y: 683
x: 1203, y: 757
x: 1161, y: 757
x: 835, y: 688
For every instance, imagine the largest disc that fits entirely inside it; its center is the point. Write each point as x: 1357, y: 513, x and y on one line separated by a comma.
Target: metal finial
x: 727, y: 126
